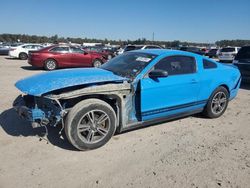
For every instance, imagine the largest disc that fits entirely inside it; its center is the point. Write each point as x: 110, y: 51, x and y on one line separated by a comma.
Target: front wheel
x: 97, y: 63
x: 217, y: 103
x: 50, y: 64
x: 90, y: 124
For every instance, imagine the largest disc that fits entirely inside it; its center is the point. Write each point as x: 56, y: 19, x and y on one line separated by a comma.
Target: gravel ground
x: 188, y: 152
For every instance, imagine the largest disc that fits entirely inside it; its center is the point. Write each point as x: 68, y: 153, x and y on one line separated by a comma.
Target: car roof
x: 165, y: 52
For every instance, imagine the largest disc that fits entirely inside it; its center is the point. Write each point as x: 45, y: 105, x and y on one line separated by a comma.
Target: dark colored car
x: 4, y: 50
x: 58, y: 56
x: 107, y: 53
x: 193, y: 50
x: 242, y: 61
x: 212, y: 53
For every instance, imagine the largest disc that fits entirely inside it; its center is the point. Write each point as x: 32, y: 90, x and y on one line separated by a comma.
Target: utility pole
x: 153, y: 36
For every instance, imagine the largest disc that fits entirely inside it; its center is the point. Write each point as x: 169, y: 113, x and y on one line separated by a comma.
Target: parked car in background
x: 242, y: 61
x: 98, y: 49
x: 22, y: 51
x: 212, y: 53
x: 193, y: 50
x: 227, y: 54
x: 132, y: 90
x: 138, y: 47
x: 57, y: 56
x: 5, y: 47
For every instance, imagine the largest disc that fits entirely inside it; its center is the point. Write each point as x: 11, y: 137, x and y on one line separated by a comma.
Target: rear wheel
x: 50, y: 64
x: 97, y: 63
x: 23, y: 56
x: 90, y: 124
x: 217, y: 103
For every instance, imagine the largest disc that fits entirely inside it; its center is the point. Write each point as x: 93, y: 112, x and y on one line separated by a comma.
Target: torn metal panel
x: 123, y: 88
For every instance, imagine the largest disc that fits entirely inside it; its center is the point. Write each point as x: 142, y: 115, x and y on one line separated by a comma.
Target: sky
x: 184, y: 20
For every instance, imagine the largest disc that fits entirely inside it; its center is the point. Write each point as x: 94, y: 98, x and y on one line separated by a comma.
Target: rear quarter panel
x: 210, y: 79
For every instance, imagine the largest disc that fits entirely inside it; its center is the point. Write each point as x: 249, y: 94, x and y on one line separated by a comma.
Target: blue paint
x: 50, y: 81
x: 175, y: 90
x: 161, y: 97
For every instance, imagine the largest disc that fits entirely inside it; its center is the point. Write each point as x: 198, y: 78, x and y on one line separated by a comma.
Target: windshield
x: 128, y: 64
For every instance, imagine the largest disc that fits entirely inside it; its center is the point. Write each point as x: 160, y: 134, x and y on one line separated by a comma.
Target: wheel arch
x: 99, y: 59
x: 113, y: 100
x: 50, y: 59
x: 225, y: 86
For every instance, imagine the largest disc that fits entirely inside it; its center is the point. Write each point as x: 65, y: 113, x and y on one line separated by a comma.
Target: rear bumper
x: 226, y: 58
x: 35, y: 62
x: 13, y: 54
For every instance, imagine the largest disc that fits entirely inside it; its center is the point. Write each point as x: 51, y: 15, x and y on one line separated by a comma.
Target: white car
x: 22, y: 51
x: 228, y: 53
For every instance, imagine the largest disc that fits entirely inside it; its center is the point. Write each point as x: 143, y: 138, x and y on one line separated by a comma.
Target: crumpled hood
x: 45, y: 82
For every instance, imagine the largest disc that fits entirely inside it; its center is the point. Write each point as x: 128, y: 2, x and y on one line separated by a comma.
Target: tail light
x: 11, y: 49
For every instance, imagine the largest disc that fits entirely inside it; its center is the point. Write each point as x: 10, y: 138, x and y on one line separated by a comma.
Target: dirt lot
x: 189, y: 152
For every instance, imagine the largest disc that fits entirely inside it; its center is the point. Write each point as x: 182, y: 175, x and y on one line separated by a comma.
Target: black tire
x: 97, y: 63
x: 50, y: 64
x: 75, y: 119
x: 209, y: 110
x: 23, y: 56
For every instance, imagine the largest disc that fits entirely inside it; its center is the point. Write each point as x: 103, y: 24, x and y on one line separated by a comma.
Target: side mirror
x: 157, y: 73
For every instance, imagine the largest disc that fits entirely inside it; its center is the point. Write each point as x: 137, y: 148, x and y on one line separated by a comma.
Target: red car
x: 108, y: 54
x: 57, y: 56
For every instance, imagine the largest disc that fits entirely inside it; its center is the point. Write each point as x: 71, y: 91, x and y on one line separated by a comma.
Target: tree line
x: 169, y: 44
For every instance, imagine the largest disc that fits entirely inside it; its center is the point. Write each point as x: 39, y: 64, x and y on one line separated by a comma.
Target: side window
x: 60, y: 49
x: 76, y: 50
x: 175, y: 65
x: 208, y: 64
x: 27, y: 46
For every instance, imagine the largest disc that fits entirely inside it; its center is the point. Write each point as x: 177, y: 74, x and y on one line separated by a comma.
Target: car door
x: 171, y: 95
x: 62, y: 55
x: 79, y: 58
x: 27, y: 48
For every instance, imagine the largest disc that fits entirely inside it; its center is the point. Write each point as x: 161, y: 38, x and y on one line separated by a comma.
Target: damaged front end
x: 40, y: 111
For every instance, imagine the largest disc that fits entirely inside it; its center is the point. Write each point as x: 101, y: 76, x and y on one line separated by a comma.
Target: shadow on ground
x: 30, y: 68
x: 11, y: 58
x: 13, y: 125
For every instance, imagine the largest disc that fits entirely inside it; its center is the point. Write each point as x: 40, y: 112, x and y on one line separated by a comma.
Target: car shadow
x: 13, y: 125
x: 11, y: 58
x: 30, y: 68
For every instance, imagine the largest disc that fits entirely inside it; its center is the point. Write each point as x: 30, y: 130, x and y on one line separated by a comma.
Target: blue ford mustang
x: 130, y: 91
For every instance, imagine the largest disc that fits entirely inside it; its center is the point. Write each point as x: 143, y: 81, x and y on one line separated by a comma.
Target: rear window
x: 244, y: 53
x: 129, y: 48
x: 208, y: 64
x: 228, y: 50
